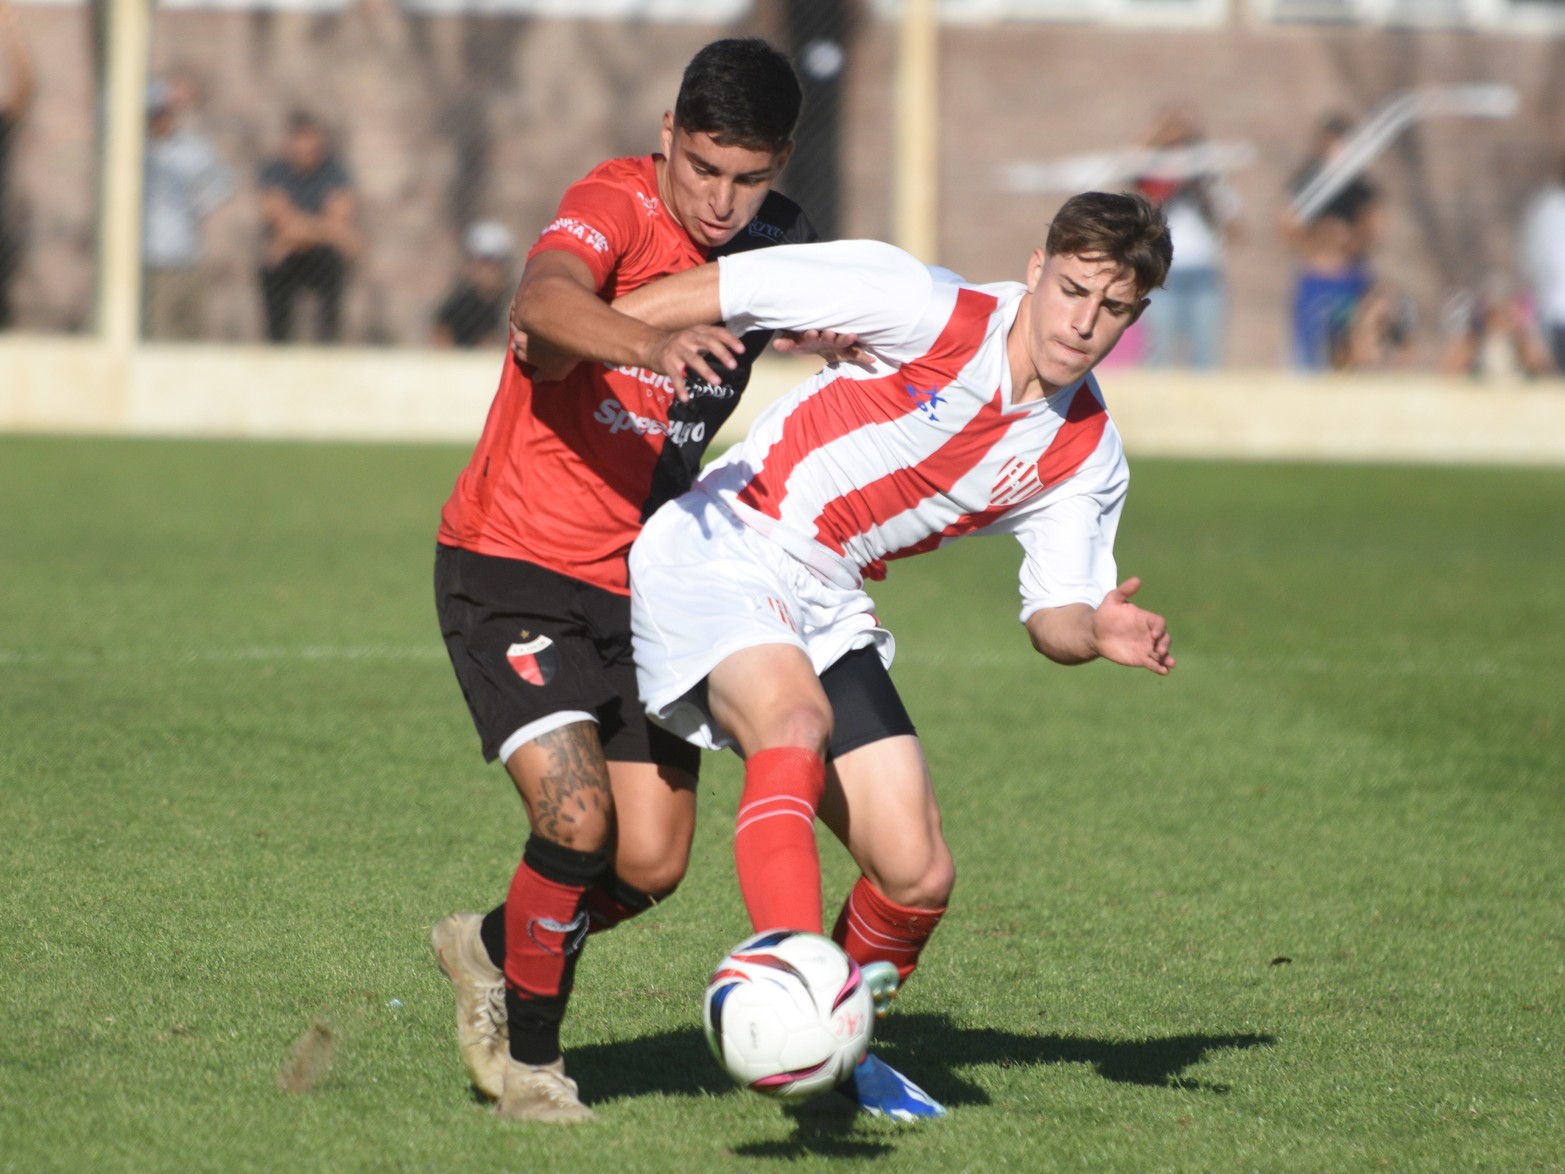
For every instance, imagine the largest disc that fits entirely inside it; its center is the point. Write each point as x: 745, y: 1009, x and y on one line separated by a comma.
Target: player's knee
x: 939, y: 880
x: 801, y: 723
x: 656, y: 879
x: 922, y: 881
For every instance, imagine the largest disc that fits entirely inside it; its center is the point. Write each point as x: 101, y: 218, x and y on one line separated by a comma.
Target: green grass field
x: 1301, y: 906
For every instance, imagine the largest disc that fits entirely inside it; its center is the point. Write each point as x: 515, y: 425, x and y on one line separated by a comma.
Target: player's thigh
x: 881, y: 804
x: 717, y: 619
x: 536, y: 685
x: 652, y: 773
x: 769, y: 696
x: 655, y: 819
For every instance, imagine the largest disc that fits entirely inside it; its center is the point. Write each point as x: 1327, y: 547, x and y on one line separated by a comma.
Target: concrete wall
x: 79, y: 386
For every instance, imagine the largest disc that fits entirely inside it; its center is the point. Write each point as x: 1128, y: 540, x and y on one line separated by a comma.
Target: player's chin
x: 1064, y: 372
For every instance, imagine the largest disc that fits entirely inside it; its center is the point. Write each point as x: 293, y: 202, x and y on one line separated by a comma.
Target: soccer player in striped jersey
x: 981, y: 416
x: 530, y: 576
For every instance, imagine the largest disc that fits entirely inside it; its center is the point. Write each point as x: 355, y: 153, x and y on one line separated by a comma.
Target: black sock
x: 492, y: 932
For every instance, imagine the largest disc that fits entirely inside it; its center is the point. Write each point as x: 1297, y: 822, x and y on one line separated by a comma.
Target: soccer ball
x: 788, y: 1014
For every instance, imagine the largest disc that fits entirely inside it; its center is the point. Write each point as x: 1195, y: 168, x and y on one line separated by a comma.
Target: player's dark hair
x: 1124, y: 227
x: 743, y: 92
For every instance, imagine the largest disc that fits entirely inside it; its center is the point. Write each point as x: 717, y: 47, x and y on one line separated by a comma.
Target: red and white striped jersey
x: 853, y: 468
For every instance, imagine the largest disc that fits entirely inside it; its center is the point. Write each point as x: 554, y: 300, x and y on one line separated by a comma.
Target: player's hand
x: 545, y: 363
x: 1129, y: 635
x: 517, y: 340
x: 831, y: 345
x: 698, y: 350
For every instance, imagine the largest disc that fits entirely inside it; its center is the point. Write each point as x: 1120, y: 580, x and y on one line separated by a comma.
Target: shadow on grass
x: 930, y: 1048
x: 1155, y: 1063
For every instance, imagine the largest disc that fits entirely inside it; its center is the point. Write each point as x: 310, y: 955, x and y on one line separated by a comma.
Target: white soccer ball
x: 788, y: 1014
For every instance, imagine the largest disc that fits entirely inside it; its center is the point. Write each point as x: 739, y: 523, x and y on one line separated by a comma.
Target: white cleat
x: 481, y: 1033
x: 541, y: 1093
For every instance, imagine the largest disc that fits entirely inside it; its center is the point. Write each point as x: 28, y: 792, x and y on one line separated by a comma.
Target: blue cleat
x: 881, y: 1091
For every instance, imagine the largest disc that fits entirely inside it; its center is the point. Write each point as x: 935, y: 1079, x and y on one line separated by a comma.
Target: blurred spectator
x: 473, y: 313
x: 1187, y: 322
x: 16, y: 73
x: 185, y: 183
x: 1543, y: 258
x: 309, y: 211
x: 1493, y: 335
x: 1332, y: 248
x: 1379, y: 332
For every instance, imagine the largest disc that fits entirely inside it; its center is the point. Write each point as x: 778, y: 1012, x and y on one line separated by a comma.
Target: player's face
x: 713, y: 190
x: 1080, y: 306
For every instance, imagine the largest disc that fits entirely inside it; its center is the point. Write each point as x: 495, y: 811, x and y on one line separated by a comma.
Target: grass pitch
x: 1297, y: 907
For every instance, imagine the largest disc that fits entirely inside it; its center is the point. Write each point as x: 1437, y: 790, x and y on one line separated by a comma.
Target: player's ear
x: 1140, y: 306
x: 1035, y: 265
x: 780, y: 160
x: 668, y: 134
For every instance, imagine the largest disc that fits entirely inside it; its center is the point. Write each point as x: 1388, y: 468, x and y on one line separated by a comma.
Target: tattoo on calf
x: 576, y: 782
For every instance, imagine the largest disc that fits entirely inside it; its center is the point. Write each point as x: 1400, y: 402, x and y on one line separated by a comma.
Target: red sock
x: 544, y: 928
x: 609, y: 903
x: 774, y: 842
x: 874, y: 928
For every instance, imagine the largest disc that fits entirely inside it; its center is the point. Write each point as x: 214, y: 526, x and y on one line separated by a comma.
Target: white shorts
x: 704, y: 586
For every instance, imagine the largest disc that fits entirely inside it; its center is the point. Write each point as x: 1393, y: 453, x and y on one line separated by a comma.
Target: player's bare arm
x: 1115, y: 630
x: 557, y: 305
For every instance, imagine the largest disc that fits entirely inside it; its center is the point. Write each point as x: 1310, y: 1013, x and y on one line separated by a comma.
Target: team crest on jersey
x: 650, y: 203
x: 1018, y: 480
x: 533, y: 658
x: 926, y: 401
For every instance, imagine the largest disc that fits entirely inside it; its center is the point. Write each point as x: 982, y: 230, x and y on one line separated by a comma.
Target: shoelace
x: 557, y: 1089
x: 491, y: 1018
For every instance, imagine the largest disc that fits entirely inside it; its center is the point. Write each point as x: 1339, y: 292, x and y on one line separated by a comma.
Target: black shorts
x: 865, y: 705
x: 528, y: 643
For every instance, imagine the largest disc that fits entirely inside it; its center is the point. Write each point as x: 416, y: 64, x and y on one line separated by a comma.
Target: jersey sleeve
x: 596, y: 222
x: 868, y: 288
x: 1068, y: 540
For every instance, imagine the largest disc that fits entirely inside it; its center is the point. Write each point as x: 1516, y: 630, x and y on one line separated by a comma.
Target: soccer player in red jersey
x: 979, y: 416
x: 530, y: 574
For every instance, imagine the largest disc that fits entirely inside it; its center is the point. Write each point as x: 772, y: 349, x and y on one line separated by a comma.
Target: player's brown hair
x: 1124, y: 227
x: 742, y: 91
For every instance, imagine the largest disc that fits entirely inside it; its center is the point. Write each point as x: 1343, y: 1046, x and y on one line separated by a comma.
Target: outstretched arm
x: 691, y: 297
x: 670, y: 331
x: 1116, y: 630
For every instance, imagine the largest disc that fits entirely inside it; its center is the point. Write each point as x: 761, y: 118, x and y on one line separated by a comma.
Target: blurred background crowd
x: 371, y: 172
